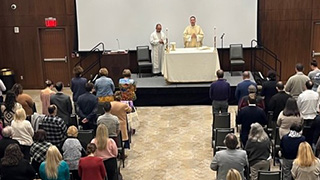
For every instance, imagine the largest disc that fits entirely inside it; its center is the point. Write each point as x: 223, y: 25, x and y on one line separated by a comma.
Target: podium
x: 115, y: 62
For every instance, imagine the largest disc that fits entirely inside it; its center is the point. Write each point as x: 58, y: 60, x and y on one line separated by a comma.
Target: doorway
x: 54, y: 55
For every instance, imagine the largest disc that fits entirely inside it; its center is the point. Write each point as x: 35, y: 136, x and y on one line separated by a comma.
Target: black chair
x: 267, y: 175
x: 120, y: 145
x: 275, y: 145
x: 100, y: 110
x: 73, y: 120
x: 236, y: 56
x: 220, y: 135
x: 143, y: 59
x: 220, y: 120
x: 86, y: 135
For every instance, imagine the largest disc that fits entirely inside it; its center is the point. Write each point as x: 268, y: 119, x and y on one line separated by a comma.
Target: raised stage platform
x: 155, y: 91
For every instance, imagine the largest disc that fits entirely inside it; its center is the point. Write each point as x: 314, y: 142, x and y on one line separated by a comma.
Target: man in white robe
x: 193, y: 34
x: 157, y: 41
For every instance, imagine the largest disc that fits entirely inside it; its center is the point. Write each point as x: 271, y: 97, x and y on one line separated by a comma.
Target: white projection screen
x: 132, y: 21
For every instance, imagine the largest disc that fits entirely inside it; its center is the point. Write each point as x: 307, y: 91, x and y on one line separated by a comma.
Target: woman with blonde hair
x: 233, y: 174
x: 54, y: 167
x: 72, y: 151
x: 258, y: 150
x: 306, y: 166
x: 22, y: 132
x: 107, y: 150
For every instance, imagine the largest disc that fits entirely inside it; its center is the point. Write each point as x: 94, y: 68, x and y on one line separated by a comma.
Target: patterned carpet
x: 171, y: 143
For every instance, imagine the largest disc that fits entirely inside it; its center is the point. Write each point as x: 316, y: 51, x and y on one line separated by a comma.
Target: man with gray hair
x: 6, y: 140
x: 252, y: 92
x: 230, y: 158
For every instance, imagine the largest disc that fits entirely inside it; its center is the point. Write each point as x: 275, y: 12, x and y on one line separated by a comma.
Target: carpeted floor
x: 171, y: 143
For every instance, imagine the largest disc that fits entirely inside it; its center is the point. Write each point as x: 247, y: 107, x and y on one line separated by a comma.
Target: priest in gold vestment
x: 193, y: 34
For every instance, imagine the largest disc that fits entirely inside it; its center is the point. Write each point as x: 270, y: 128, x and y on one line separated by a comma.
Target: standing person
x: 269, y: 88
x: 230, y: 158
x: 104, y: 86
x: 77, y: 85
x: 278, y: 101
x: 258, y: 150
x: 87, y: 108
x: 127, y: 87
x: 308, y: 103
x: 111, y: 121
x: 9, y: 108
x: 290, y: 115
x: 193, y: 34
x: 289, y: 147
x: 22, y: 132
x: 14, y: 167
x: 7, y: 133
x: 157, y: 41
x: 106, y: 150
x: 295, y: 84
x: 63, y: 103
x: 54, y: 126
x: 306, y: 166
x: 91, y: 167
x: 314, y: 74
x: 242, y: 87
x: 24, y: 99
x: 120, y: 110
x: 219, y: 94
x: 54, y: 167
x: 249, y: 115
x: 39, y: 149
x: 2, y: 88
x: 72, y: 151
x: 45, y: 96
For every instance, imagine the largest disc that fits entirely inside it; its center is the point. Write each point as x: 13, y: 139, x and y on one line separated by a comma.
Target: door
x: 316, y: 41
x: 53, y: 46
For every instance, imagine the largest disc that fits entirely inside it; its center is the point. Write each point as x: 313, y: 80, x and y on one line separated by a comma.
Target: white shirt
x: 2, y: 87
x: 308, y: 104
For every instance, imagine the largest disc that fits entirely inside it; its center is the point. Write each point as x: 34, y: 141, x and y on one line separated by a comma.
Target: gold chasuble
x: 190, y: 41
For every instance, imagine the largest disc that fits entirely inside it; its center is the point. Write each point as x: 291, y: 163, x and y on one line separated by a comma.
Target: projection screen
x: 130, y: 22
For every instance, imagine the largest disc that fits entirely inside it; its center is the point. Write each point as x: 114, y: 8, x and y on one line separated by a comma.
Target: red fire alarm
x: 51, y: 22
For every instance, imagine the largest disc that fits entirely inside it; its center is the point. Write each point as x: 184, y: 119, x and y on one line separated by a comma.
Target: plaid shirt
x: 38, y: 151
x: 56, y: 129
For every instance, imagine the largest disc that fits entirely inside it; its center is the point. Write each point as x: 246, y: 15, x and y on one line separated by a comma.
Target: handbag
x: 133, y: 119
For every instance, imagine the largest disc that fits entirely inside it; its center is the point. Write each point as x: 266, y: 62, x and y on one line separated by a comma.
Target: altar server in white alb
x: 193, y: 34
x: 157, y: 41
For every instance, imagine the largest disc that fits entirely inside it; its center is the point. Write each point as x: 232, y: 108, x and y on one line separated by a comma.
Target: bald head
x: 7, y: 131
x: 220, y: 73
x: 280, y: 86
x: 246, y: 75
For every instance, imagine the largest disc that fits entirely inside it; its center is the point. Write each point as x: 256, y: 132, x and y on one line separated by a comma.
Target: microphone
x: 222, y: 35
x: 118, y: 44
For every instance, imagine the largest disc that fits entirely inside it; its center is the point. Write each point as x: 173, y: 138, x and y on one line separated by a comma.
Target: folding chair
x: 275, y: 145
x: 220, y: 135
x: 267, y: 175
x: 86, y: 135
x: 220, y: 120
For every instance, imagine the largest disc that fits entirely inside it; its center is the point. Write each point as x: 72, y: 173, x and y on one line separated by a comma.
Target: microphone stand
x: 222, y: 46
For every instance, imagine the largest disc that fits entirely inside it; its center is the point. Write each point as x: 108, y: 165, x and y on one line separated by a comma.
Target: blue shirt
x: 63, y: 171
x: 78, y: 87
x: 242, y: 89
x: 104, y: 86
x: 219, y: 90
